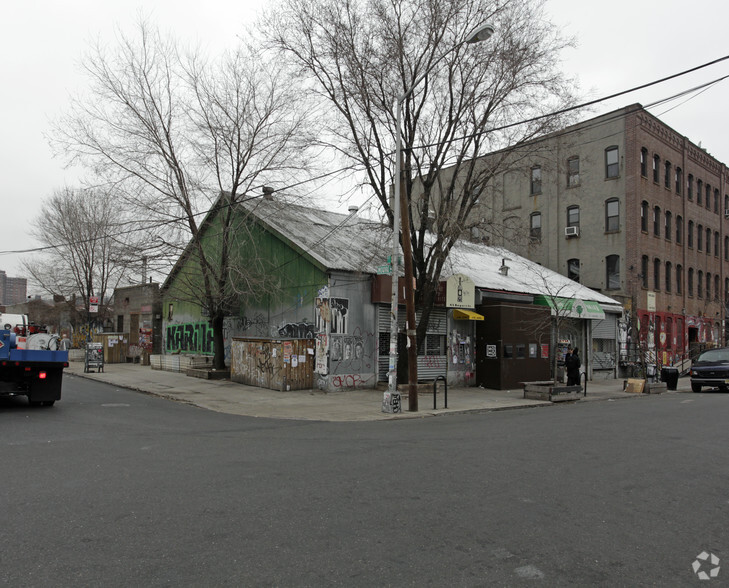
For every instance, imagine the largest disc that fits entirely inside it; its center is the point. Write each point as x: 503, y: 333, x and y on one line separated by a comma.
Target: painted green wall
x: 287, y: 297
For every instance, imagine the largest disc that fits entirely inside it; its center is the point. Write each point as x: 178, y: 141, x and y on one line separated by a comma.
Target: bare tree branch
x: 185, y: 141
x: 359, y: 56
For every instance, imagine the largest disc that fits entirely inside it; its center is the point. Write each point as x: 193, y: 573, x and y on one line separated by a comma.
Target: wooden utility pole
x: 410, y: 326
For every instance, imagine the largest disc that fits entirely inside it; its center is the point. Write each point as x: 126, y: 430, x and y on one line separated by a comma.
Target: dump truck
x: 31, y: 363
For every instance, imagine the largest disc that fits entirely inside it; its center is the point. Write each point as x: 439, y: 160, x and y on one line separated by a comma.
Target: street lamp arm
x: 476, y: 35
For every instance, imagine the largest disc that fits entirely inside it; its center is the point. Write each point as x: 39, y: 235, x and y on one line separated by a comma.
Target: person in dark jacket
x: 572, y: 364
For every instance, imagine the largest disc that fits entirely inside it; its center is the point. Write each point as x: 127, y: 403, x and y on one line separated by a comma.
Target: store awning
x: 466, y: 315
x: 572, y: 307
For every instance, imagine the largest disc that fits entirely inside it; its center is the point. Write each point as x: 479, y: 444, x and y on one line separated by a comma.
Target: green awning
x: 571, y: 307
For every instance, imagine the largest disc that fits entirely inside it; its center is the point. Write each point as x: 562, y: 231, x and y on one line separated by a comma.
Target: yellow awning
x: 466, y: 315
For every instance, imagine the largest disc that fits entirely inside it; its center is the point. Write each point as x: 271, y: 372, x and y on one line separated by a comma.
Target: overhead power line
x: 701, y: 87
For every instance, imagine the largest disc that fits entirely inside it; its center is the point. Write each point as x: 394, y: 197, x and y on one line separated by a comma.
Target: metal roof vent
x: 504, y: 269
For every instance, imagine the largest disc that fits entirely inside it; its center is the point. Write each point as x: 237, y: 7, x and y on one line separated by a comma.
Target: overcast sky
x: 621, y: 44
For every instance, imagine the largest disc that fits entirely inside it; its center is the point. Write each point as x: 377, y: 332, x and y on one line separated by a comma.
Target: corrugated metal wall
x: 605, y: 328
x: 430, y: 365
x: 604, y: 343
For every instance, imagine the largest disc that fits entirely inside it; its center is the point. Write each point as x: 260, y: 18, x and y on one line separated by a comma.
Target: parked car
x: 711, y: 369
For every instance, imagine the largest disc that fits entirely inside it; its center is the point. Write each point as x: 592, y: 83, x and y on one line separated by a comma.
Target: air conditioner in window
x: 572, y: 231
x: 726, y: 213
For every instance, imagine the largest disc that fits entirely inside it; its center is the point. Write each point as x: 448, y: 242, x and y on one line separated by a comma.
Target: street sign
x: 93, y: 304
x: 399, y: 259
x: 384, y: 270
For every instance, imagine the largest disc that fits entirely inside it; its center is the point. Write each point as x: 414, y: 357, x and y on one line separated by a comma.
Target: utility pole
x: 410, y: 325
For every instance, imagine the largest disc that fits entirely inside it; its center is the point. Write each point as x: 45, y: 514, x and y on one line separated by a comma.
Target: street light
x: 479, y: 34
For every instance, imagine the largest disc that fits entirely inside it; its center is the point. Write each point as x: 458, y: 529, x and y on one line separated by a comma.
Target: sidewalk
x: 362, y: 405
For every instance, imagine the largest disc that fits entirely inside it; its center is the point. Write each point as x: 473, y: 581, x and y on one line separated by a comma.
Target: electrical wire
x: 583, y: 105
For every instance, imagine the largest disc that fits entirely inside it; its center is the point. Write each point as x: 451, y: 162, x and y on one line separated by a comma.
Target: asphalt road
x: 115, y: 488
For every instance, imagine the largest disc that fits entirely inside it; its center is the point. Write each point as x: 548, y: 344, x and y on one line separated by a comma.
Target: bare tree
x: 185, y: 141
x: 88, y: 247
x: 360, y: 56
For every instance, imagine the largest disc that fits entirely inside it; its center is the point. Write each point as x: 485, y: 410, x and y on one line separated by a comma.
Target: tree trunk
x: 218, y: 342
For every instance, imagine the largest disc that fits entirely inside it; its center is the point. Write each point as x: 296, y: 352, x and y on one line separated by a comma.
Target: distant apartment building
x: 627, y: 206
x: 12, y: 290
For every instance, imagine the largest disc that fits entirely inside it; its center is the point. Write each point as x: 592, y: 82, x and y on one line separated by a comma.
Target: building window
x: 679, y: 229
x: 657, y: 221
x: 612, y: 215
x: 573, y: 216
x: 644, y: 162
x: 699, y: 191
x: 691, y: 234
x: 667, y: 175
x: 690, y: 284
x: 656, y: 167
x: 700, y: 237
x: 717, y: 199
x: 644, y: 271
x: 679, y: 278
x: 717, y: 240
x: 536, y: 184
x: 611, y: 162
x: 644, y: 216
x: 708, y: 196
x: 726, y: 248
x: 716, y: 287
x: 708, y: 241
x: 668, y: 229
x: 573, y: 269
x: 434, y: 344
x: 669, y: 277
x: 690, y: 187
x: 535, y: 226
x: 573, y: 172
x: 679, y: 179
x: 700, y: 284
x: 656, y: 274
x: 726, y: 290
x: 708, y: 286
x: 612, y: 277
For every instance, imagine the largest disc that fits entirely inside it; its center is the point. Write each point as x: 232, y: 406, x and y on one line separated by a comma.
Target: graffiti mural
x: 301, y: 330
x: 82, y: 334
x: 334, y: 311
x: 345, y: 382
x: 190, y: 338
x: 348, y: 353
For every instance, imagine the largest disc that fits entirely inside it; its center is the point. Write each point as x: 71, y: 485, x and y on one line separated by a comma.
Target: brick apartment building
x: 627, y: 206
x: 12, y: 290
